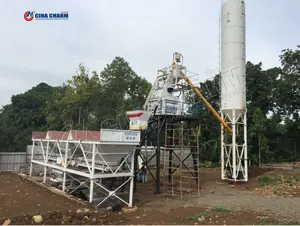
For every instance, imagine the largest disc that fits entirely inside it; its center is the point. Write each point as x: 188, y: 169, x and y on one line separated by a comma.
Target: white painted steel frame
x: 90, y: 175
x: 234, y: 162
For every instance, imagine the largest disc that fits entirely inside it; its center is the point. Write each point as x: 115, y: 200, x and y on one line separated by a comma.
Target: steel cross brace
x: 113, y: 193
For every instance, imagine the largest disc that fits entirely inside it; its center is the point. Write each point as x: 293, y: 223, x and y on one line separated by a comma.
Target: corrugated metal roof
x: 57, y: 135
x: 86, y: 135
x: 39, y: 135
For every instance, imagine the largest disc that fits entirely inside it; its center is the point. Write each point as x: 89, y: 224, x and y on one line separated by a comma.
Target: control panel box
x: 120, y: 136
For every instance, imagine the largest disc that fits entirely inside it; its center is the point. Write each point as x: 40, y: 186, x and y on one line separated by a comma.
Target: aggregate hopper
x: 115, y: 147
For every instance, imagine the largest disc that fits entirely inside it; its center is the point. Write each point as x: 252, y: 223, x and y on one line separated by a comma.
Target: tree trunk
x: 259, y: 154
x: 295, y: 149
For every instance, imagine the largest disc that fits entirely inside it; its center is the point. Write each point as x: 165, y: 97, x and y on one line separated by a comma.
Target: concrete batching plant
x: 105, y: 161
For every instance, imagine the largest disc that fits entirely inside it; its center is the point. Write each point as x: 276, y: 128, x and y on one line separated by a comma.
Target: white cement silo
x: 233, y: 90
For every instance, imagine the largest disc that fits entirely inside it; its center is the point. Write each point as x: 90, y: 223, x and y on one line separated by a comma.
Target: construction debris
x: 37, y: 219
x: 7, y: 222
x: 129, y: 210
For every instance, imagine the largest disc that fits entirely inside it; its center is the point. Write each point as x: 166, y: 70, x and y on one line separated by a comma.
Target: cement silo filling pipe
x: 215, y: 113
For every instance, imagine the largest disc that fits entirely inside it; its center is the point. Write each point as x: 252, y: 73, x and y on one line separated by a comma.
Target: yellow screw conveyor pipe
x: 206, y: 102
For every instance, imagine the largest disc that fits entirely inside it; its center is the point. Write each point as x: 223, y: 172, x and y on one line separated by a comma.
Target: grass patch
x: 277, y: 191
x: 214, y: 210
x: 290, y: 181
x: 296, y: 177
x: 267, y: 180
x: 219, y: 209
x: 209, y: 164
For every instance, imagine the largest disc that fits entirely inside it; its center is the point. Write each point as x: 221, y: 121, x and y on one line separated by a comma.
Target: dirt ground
x: 21, y: 197
x: 268, y: 198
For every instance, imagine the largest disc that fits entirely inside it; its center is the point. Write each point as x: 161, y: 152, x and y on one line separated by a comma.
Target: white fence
x: 17, y: 161
x: 12, y: 161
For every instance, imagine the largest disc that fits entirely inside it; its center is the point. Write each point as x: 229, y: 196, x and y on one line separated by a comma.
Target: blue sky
x: 145, y: 33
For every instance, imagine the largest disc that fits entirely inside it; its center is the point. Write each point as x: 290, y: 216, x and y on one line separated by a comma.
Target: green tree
x: 73, y: 104
x: 292, y: 137
x: 288, y: 92
x: 123, y: 90
x: 261, y: 86
x: 89, y: 102
x: 209, y: 140
x: 22, y: 116
x: 257, y: 130
x: 275, y: 134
